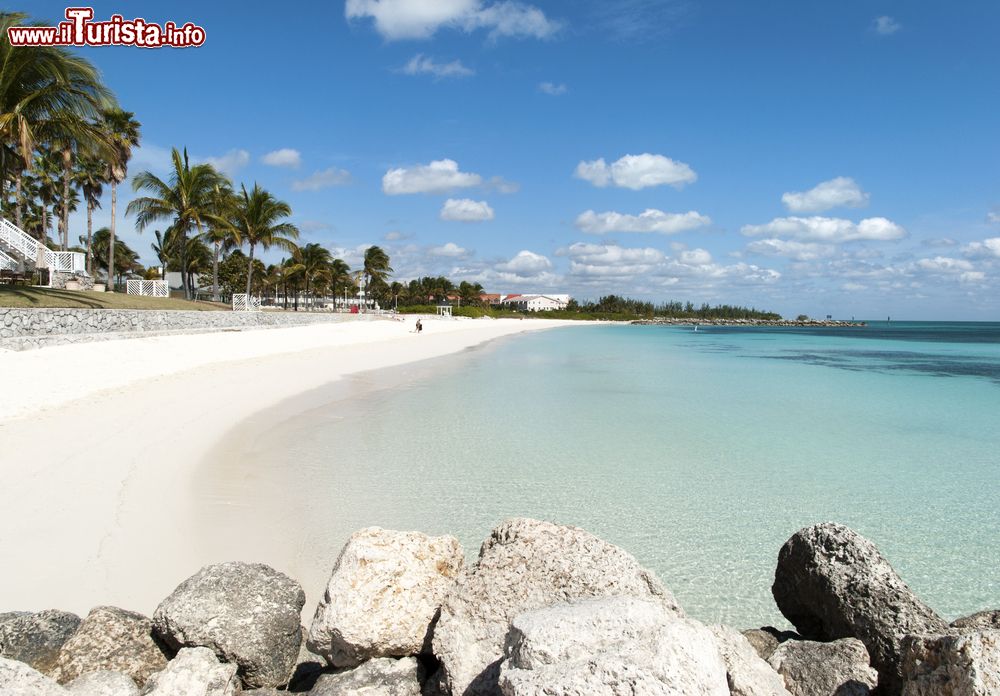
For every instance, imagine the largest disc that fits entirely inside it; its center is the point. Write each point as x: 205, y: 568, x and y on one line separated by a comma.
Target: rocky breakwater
x: 546, y: 610
x: 813, y: 323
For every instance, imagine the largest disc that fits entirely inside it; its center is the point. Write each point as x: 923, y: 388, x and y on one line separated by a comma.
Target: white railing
x: 245, y: 303
x: 30, y: 249
x: 7, y: 263
x: 147, y: 288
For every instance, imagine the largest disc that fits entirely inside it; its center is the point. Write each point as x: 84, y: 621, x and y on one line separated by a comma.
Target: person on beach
x: 420, y: 327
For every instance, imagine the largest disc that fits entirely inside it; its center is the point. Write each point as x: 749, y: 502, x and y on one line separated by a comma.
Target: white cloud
x: 440, y: 176
x: 314, y: 226
x: 944, y: 264
x: 829, y: 230
x: 420, y: 19
x: 231, y: 162
x: 326, y: 178
x: 466, y: 210
x: 636, y: 172
x: 611, y: 260
x: 886, y: 25
x: 972, y: 277
x: 552, y: 89
x: 650, y: 220
x: 394, y: 236
x: 285, y: 157
x: 993, y: 217
x: 501, y: 185
x: 789, y: 248
x: 449, y: 250
x: 424, y: 65
x: 696, y: 257
x: 987, y: 247
x: 842, y: 191
x: 525, y: 264
x: 152, y: 158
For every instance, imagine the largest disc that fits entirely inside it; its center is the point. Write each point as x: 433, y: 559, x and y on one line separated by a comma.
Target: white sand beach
x: 102, y: 444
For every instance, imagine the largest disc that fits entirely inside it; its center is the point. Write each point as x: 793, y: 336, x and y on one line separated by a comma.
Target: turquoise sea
x: 700, y: 452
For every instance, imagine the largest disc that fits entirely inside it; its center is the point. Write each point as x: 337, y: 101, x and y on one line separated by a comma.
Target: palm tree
x: 162, y: 247
x: 315, y: 260
x: 124, y: 257
x: 186, y: 200
x: 91, y: 178
x: 340, y: 276
x: 46, y: 179
x: 376, y: 268
x: 122, y: 131
x: 257, y: 221
x: 221, y: 231
x: 45, y: 92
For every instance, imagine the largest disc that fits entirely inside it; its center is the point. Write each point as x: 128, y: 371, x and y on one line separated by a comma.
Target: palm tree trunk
x: 18, y: 202
x: 90, y: 226
x: 45, y: 222
x: 250, y: 271
x: 111, y: 237
x: 215, y: 272
x: 67, y: 170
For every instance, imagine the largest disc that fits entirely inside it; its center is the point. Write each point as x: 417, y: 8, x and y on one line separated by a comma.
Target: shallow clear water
x: 699, y: 452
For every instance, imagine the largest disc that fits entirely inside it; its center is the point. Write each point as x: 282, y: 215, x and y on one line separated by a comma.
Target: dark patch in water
x: 888, y: 362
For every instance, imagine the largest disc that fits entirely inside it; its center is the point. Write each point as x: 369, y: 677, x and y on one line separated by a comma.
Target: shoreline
x: 119, y: 522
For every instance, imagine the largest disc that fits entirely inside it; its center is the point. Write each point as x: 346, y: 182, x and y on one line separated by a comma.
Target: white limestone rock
x: 952, y: 665
x: 747, y: 673
x: 195, y: 671
x: 611, y: 645
x: 839, y: 668
x: 524, y: 565
x: 103, y: 683
x: 247, y: 613
x: 111, y: 639
x: 18, y: 679
x: 383, y: 594
x: 379, y: 677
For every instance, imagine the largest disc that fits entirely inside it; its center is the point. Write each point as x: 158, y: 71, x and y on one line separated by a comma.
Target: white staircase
x: 14, y: 243
x: 7, y: 263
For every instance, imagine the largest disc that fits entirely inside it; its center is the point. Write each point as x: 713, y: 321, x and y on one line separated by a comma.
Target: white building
x: 537, y: 303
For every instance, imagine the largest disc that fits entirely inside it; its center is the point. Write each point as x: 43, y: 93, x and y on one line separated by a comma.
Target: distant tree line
x: 626, y: 306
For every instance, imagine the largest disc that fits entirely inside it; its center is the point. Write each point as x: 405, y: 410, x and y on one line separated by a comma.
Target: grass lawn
x: 21, y: 296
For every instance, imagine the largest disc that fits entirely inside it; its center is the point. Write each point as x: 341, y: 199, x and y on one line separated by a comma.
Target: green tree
x: 122, y: 131
x: 46, y: 92
x: 376, y: 266
x: 91, y: 176
x: 315, y: 261
x: 259, y: 221
x: 186, y: 200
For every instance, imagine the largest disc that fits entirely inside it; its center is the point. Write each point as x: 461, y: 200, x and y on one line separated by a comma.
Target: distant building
x: 536, y: 303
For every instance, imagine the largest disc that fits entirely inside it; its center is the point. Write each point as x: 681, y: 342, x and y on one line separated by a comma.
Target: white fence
x: 245, y: 303
x: 147, y: 288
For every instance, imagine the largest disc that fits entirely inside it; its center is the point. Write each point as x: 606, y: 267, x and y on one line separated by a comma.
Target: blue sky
x: 820, y: 158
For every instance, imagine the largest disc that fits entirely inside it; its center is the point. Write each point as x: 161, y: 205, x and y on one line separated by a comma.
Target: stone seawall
x: 24, y: 329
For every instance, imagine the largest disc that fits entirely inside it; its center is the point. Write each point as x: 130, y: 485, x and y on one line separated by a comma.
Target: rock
x: 833, y: 583
x: 18, y: 679
x: 103, y: 683
x: 952, y: 665
x: 983, y: 620
x: 194, y: 671
x: 380, y: 677
x: 611, y: 645
x: 35, y: 639
x: 384, y: 592
x: 746, y: 672
x: 112, y: 639
x: 247, y: 613
x: 526, y: 564
x: 840, y: 668
x: 763, y: 642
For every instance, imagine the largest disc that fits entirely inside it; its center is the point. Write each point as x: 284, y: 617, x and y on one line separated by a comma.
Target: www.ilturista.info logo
x: 79, y: 30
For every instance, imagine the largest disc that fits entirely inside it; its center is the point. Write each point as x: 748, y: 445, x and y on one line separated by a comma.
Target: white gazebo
x: 444, y: 310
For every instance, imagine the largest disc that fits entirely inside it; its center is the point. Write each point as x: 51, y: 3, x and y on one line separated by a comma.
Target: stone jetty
x: 547, y: 610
